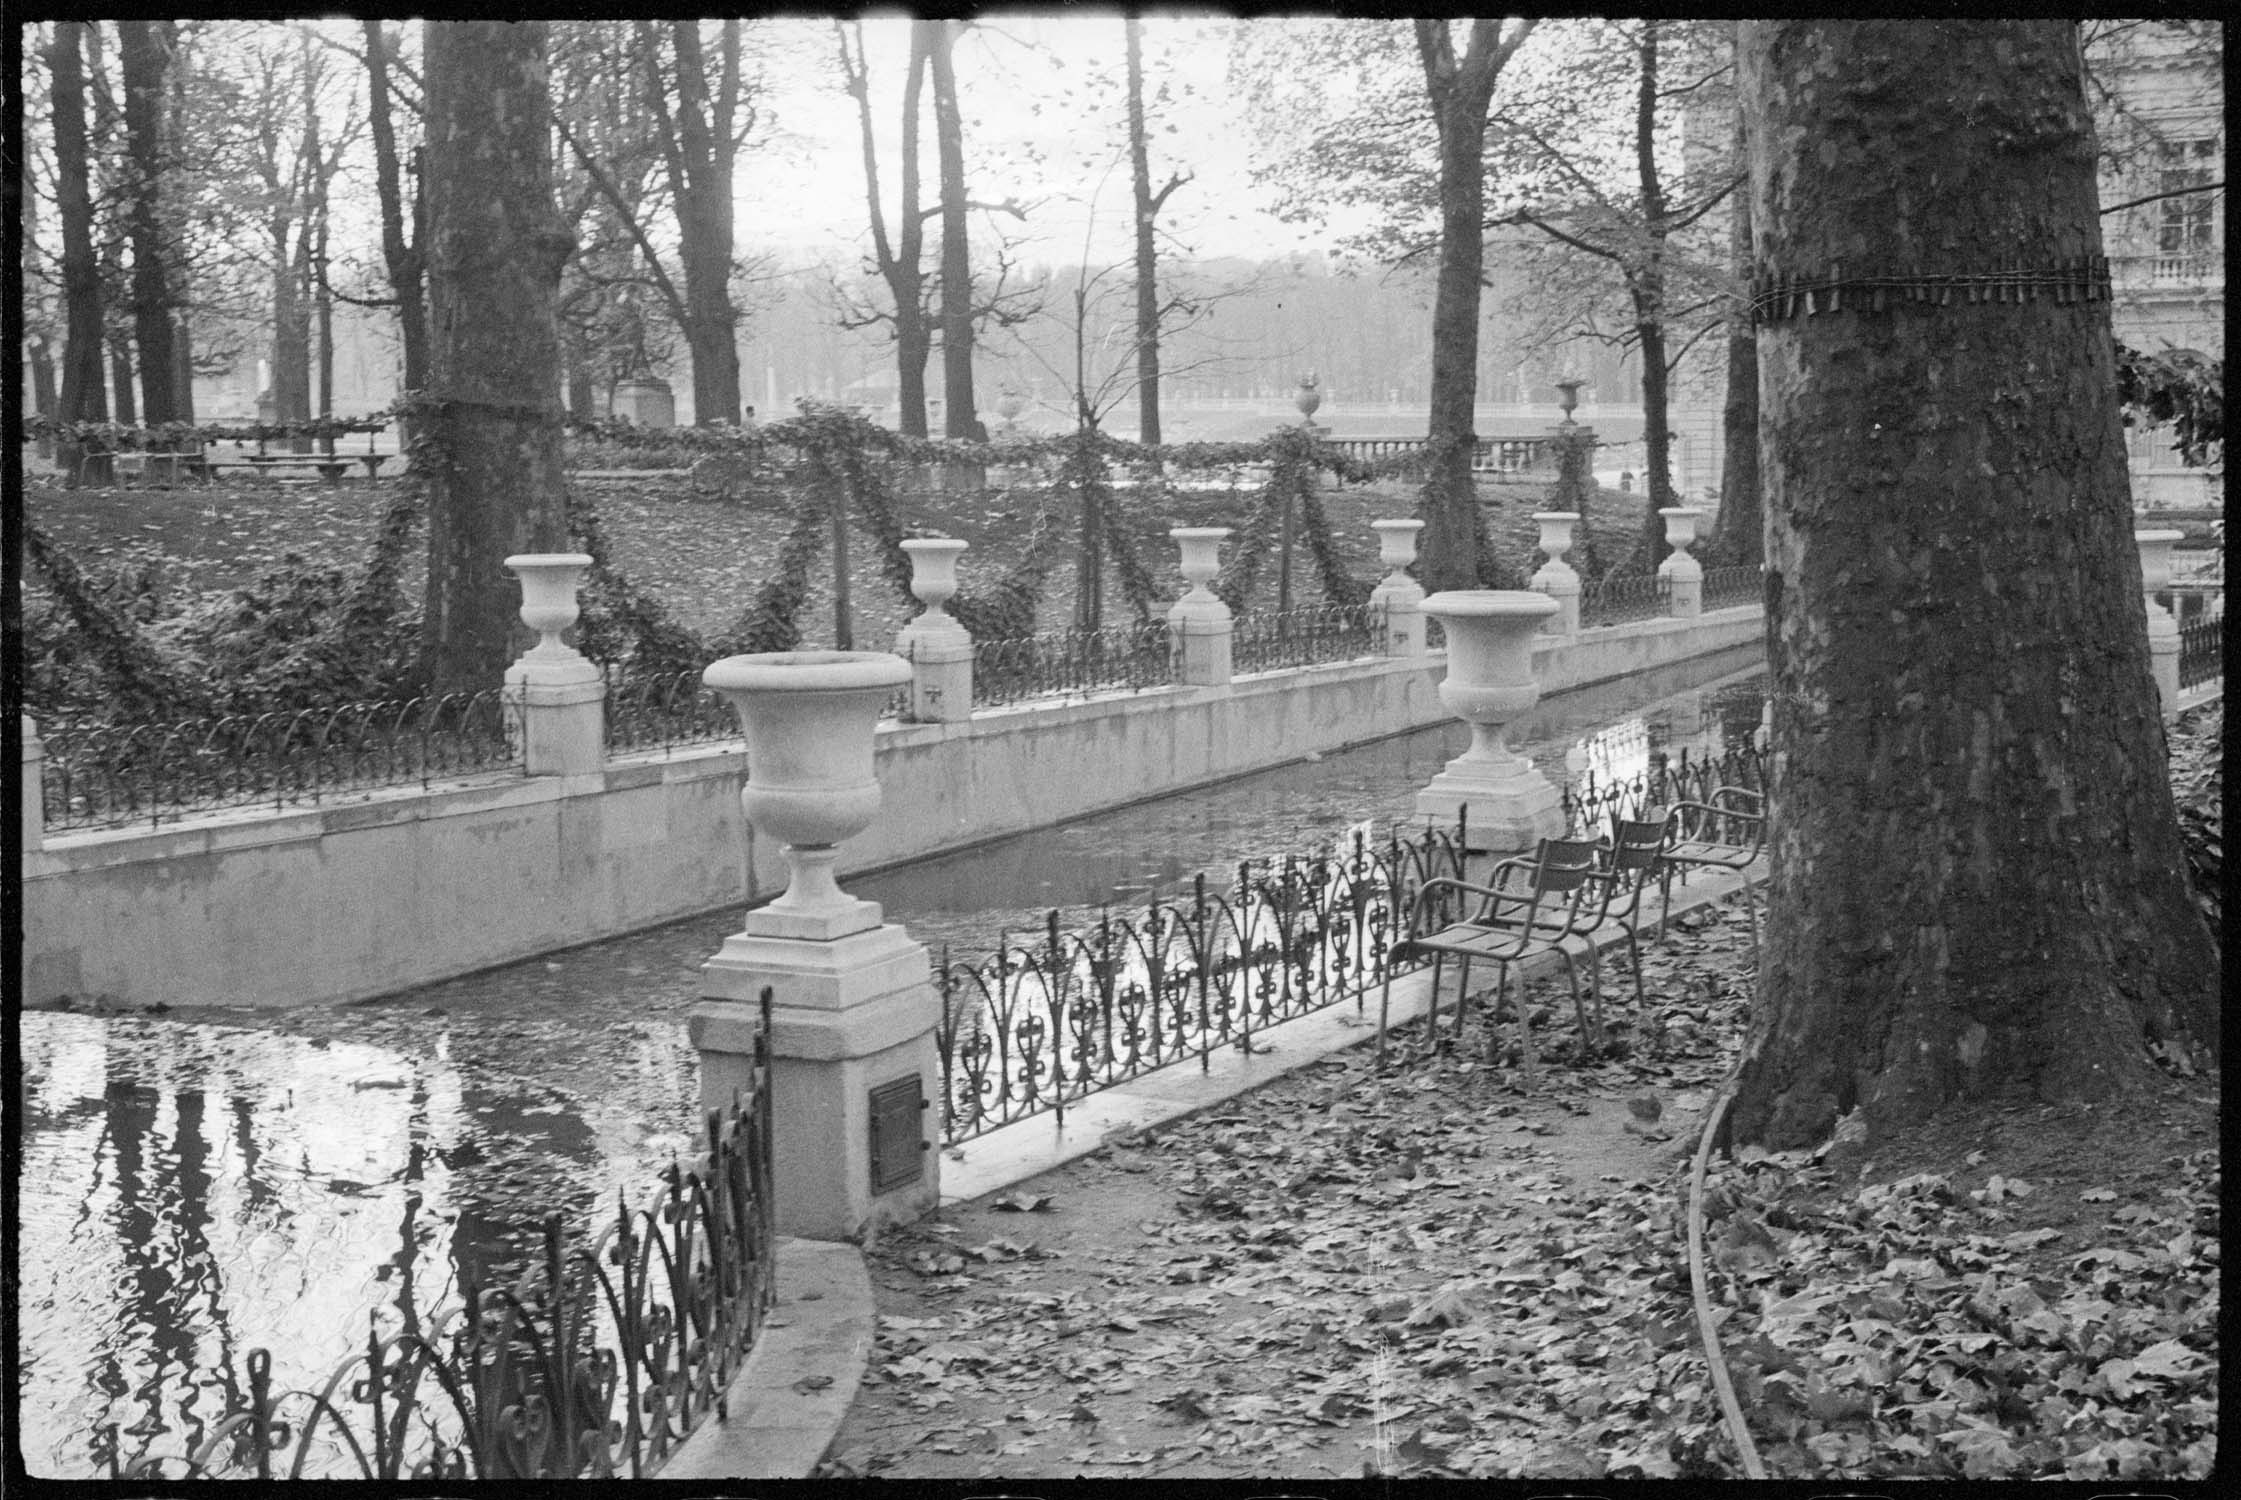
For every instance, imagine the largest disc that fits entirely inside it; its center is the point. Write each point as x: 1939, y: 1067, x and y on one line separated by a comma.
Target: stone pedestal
x: 648, y: 402
x: 936, y: 643
x: 32, y: 796
x: 2163, y: 629
x: 852, y: 1024
x: 1506, y: 804
x: 1199, y: 620
x: 556, y: 700
x: 1682, y: 574
x: 1398, y: 600
x: 1556, y: 577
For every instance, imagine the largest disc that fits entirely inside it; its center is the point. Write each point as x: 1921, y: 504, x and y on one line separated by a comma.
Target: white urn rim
x: 1556, y: 515
x: 935, y: 544
x: 2158, y: 534
x: 1397, y: 525
x: 808, y: 671
x: 1198, y: 533
x: 1680, y: 510
x: 1489, y: 604
x: 549, y: 560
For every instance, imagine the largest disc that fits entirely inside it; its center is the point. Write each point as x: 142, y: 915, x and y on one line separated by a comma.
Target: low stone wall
x: 353, y: 900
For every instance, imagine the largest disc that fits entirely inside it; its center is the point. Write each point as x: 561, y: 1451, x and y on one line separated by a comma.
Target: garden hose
x: 1730, y: 1410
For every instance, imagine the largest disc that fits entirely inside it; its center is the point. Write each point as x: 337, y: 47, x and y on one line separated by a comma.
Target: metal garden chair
x: 1528, y: 905
x: 1627, y: 864
x: 1726, y: 831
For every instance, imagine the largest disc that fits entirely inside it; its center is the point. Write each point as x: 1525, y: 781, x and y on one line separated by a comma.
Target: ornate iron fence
x: 1037, y: 1025
x: 2201, y: 650
x: 596, y: 1364
x: 664, y: 711
x: 1303, y: 637
x: 1014, y: 668
x: 1618, y: 597
x: 1743, y: 583
x: 1591, y: 802
x: 114, y: 776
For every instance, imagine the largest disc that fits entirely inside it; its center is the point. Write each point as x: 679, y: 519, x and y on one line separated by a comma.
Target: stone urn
x: 1683, y: 575
x: 2163, y: 626
x: 1396, y: 549
x: 548, y: 599
x: 2155, y: 557
x: 1398, y: 597
x: 1008, y: 406
x: 1506, y: 804
x: 808, y: 717
x: 933, y: 582
x: 1568, y: 396
x: 1556, y: 577
x: 1201, y: 546
x: 1308, y: 398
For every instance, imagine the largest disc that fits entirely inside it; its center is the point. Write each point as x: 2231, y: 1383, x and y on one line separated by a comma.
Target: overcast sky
x: 1039, y: 127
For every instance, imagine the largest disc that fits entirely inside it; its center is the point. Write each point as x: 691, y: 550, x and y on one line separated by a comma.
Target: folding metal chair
x: 1626, y: 864
x: 1528, y: 905
x: 1726, y: 831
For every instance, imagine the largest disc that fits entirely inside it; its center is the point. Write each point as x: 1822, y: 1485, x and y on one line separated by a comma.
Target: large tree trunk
x: 403, y: 257
x: 495, y: 248
x: 1148, y: 206
x: 959, y: 415
x: 1742, y: 515
x: 704, y: 226
x: 1646, y: 282
x: 144, y: 50
x: 83, y: 398
x: 1453, y: 551
x: 1978, y: 887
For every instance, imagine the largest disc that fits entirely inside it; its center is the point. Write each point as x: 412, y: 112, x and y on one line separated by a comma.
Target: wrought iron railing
x: 664, y: 711
x: 1011, y: 669
x: 1617, y: 598
x: 2201, y: 650
x: 1591, y: 801
x: 1038, y: 1025
x: 1303, y: 637
x: 115, y: 776
x: 1741, y: 583
x: 596, y: 1364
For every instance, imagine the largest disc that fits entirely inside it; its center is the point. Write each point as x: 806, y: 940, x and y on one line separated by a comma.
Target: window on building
x: 2185, y: 226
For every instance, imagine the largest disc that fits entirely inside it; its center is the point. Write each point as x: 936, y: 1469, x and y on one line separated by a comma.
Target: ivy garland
x: 144, y: 685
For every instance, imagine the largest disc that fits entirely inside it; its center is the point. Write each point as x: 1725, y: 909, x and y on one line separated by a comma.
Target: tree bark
x: 403, y: 257
x: 1977, y: 882
x: 700, y: 150
x: 1646, y: 283
x: 1148, y: 205
x: 495, y: 248
x: 83, y: 398
x: 1742, y: 513
x: 143, y: 52
x: 959, y: 416
x: 1460, y: 91
x: 900, y: 260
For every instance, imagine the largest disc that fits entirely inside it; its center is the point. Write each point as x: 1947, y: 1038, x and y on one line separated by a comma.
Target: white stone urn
x: 2155, y: 557
x: 1509, y: 804
x: 548, y: 600
x: 1201, y: 547
x: 1308, y: 399
x: 933, y: 582
x: 808, y: 717
x: 1556, y: 577
x: 1396, y: 548
x: 1009, y: 405
x: 1398, y: 597
x: 1683, y: 574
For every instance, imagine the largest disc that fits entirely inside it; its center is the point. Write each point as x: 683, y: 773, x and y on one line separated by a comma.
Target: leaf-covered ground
x: 1438, y: 1272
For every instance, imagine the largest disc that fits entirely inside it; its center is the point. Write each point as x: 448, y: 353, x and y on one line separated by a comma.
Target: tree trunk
x: 144, y: 50
x: 120, y: 377
x: 1977, y: 882
x: 496, y: 245
x: 959, y: 416
x: 183, y: 364
x: 1454, y: 552
x: 1147, y: 263
x: 83, y: 398
x: 704, y: 226
x: 406, y: 265
x: 1742, y: 514
x: 1646, y: 283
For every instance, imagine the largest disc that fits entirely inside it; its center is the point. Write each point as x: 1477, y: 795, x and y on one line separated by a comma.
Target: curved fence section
x: 1012, y: 669
x: 1039, y: 1024
x: 1616, y: 598
x: 2201, y: 650
x: 597, y: 1363
x: 1304, y: 637
x: 1742, y: 583
x: 1591, y: 802
x: 115, y: 776
x: 664, y: 711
